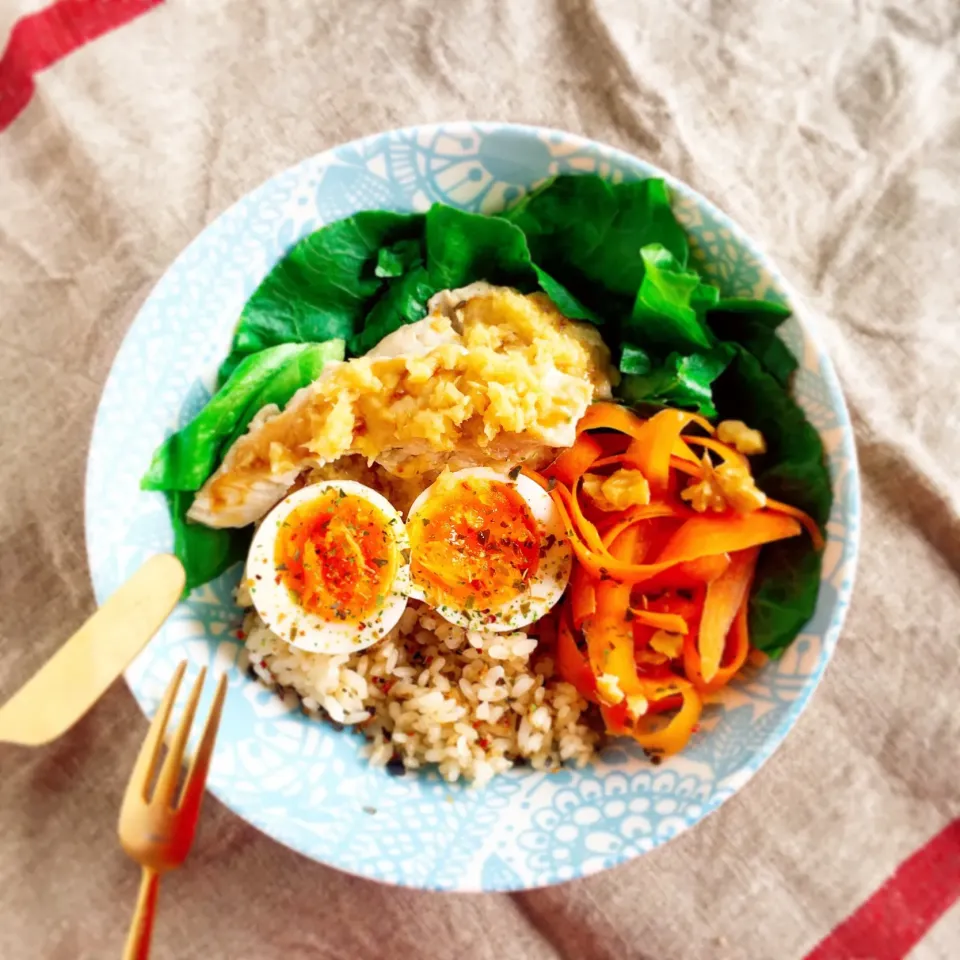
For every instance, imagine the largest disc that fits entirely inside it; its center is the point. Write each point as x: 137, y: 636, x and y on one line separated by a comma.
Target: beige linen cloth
x: 830, y: 130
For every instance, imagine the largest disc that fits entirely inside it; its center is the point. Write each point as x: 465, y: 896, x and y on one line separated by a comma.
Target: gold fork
x: 156, y: 828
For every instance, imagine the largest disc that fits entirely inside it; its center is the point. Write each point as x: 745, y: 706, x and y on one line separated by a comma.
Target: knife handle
x: 77, y: 675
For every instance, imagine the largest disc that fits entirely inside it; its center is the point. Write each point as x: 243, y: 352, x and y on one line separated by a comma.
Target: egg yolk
x: 473, y: 545
x: 337, y: 556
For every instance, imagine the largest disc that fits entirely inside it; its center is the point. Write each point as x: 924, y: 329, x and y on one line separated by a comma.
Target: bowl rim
x: 851, y: 512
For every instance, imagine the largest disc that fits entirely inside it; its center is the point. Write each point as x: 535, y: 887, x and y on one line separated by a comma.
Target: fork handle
x: 141, y: 928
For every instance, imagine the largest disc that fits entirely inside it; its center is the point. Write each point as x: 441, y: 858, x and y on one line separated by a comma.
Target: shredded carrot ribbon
x: 649, y: 511
x: 610, y: 416
x: 575, y: 460
x: 808, y: 523
x: 724, y: 597
x: 671, y: 622
x: 656, y: 573
x: 572, y: 664
x: 654, y: 442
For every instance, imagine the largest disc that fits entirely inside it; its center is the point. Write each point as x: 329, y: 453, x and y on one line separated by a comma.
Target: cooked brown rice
x: 433, y: 693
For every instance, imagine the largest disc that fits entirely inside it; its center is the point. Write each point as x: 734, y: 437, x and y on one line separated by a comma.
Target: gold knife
x: 75, y: 677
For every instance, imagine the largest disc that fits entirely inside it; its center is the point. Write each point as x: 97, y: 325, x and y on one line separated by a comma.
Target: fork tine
x: 147, y: 758
x: 200, y: 764
x: 170, y: 771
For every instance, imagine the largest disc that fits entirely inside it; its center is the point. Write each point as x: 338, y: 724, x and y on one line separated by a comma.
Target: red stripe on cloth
x: 41, y: 39
x: 894, y: 920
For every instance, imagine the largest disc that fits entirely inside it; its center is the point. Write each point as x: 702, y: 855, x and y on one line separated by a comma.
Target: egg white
x: 278, y: 608
x: 545, y: 587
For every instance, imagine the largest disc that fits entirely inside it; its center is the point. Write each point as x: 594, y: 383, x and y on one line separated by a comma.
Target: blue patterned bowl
x: 299, y: 780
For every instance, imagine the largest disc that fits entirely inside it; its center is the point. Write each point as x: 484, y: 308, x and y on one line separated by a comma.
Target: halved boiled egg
x: 487, y: 549
x: 329, y: 569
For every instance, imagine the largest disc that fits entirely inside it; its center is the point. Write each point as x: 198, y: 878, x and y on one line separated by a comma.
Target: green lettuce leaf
x: 205, y: 552
x: 322, y: 289
x: 753, y: 324
x: 784, y: 594
x: 775, y: 312
x: 565, y: 301
x: 300, y: 369
x: 396, y: 260
x: 460, y: 248
x: 679, y: 381
x: 588, y: 234
x: 185, y: 460
x: 465, y: 247
x: 662, y: 312
x: 404, y: 301
x: 634, y: 360
x: 792, y: 470
x: 704, y: 298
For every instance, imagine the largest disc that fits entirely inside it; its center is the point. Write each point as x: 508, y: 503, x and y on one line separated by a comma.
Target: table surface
x: 829, y: 130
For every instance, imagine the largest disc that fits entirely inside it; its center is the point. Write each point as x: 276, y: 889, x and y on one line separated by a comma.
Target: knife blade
x: 75, y: 677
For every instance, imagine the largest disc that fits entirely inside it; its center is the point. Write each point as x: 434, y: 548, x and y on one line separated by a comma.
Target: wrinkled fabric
x: 829, y: 130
